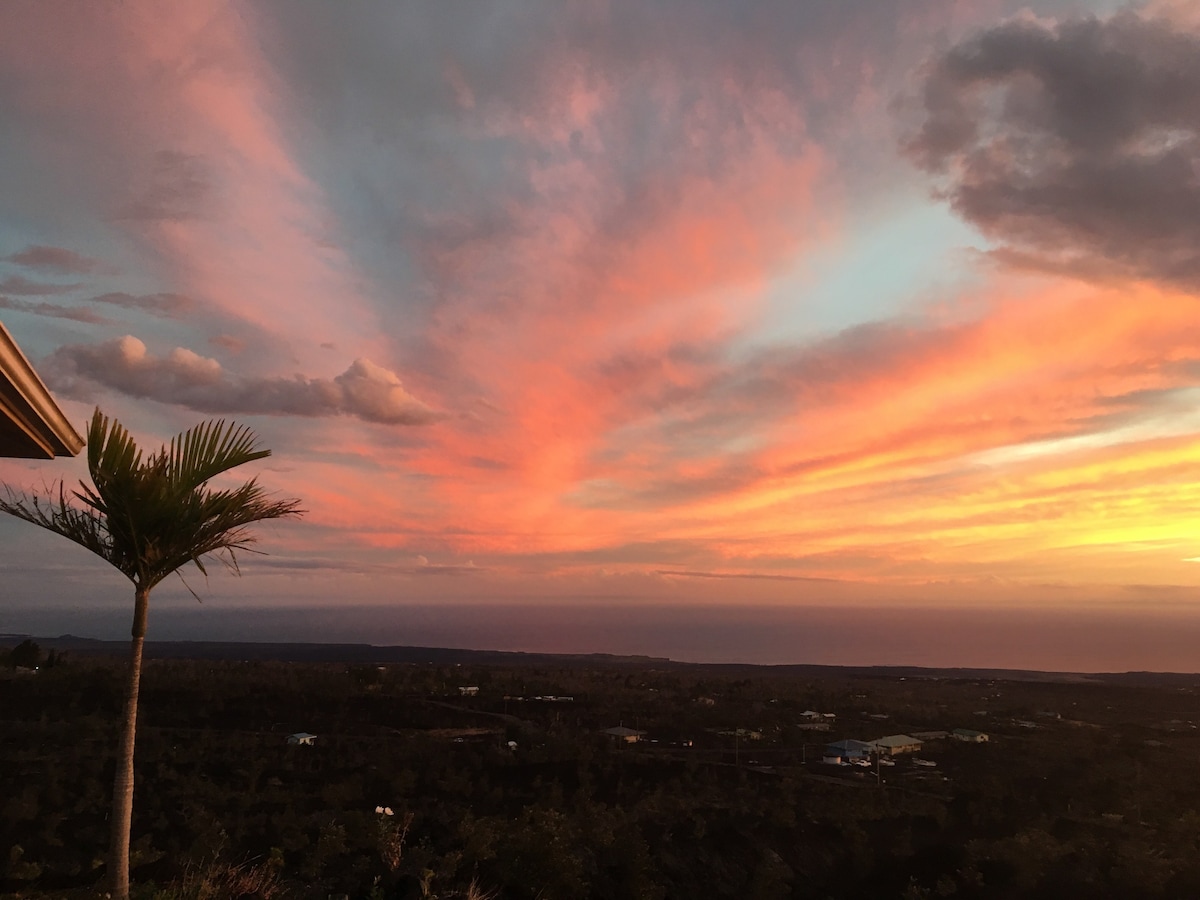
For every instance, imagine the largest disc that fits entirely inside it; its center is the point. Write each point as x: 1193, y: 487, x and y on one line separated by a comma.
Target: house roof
x: 896, y: 740
x: 622, y: 731
x: 31, y: 424
x: 849, y: 744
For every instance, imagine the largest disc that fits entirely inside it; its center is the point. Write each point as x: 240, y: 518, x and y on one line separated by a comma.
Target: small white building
x: 469, y: 691
x: 302, y: 738
x: 969, y: 736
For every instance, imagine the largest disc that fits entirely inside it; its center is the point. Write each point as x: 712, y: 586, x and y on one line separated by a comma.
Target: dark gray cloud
x: 57, y: 259
x: 754, y: 576
x: 1077, y: 146
x: 163, y: 305
x: 365, y: 390
x: 23, y: 287
x: 53, y: 311
x: 423, y: 568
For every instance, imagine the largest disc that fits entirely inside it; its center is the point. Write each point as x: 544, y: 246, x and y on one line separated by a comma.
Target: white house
x: 302, y: 738
x: 969, y: 736
x: 469, y: 691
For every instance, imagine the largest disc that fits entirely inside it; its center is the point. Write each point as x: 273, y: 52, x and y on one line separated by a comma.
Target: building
x: 848, y: 749
x: 971, y: 737
x: 302, y: 739
x: 470, y: 691
x: 31, y: 424
x: 895, y: 744
x: 627, y: 735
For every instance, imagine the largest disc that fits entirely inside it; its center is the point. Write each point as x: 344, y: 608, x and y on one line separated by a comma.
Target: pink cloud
x: 185, y: 151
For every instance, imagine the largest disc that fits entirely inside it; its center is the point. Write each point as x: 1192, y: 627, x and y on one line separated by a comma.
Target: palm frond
x: 112, y: 452
x: 207, y: 450
x: 150, y: 516
x: 53, y: 512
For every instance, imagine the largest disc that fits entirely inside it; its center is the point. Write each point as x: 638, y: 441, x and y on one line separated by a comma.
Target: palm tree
x: 148, y: 517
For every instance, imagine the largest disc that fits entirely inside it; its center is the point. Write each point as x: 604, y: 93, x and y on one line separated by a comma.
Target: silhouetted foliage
x: 1065, y: 809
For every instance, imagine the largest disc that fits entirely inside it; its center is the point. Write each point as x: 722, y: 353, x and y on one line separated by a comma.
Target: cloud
x: 758, y: 576
x: 23, y: 287
x: 180, y: 190
x: 1074, y: 145
x: 365, y: 390
x: 53, y: 311
x: 423, y: 567
x: 57, y: 259
x: 181, y: 155
x: 164, y: 305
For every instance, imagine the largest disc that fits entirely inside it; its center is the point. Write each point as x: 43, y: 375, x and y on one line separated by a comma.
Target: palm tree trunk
x: 122, y: 808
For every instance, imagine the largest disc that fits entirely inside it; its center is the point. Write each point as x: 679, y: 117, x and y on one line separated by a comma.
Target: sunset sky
x: 879, y: 305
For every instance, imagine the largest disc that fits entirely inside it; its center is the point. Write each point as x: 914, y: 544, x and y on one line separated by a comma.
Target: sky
x: 657, y: 308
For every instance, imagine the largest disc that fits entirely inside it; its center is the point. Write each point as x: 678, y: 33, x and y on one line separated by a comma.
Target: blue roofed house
x: 847, y: 749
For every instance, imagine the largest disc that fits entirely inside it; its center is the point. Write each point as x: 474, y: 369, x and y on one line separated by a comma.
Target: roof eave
x: 42, y: 428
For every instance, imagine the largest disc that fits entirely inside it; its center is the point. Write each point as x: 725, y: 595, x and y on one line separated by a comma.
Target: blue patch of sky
x: 885, y: 268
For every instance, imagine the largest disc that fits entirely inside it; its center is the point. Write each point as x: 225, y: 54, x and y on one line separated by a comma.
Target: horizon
x: 1112, y: 641
x: 624, y: 313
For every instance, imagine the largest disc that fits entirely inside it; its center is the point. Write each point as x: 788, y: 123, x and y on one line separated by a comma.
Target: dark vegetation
x: 1100, y: 799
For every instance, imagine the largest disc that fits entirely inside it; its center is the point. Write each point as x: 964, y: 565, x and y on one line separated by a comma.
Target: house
x: 969, y: 736
x: 925, y: 736
x: 896, y: 743
x: 31, y: 424
x: 848, y: 749
x: 628, y: 735
x: 302, y: 738
x: 469, y: 691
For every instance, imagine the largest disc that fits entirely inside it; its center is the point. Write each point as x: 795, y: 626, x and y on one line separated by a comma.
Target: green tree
x: 148, y: 516
x: 26, y: 655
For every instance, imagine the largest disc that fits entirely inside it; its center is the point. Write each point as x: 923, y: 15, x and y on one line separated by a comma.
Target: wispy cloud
x: 164, y: 305
x: 58, y: 260
x: 23, y: 287
x: 53, y: 310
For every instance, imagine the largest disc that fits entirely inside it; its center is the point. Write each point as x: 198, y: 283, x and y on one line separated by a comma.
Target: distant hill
x: 368, y: 654
x: 328, y: 653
